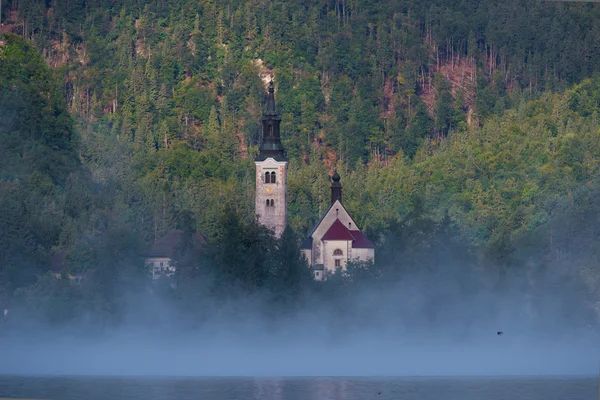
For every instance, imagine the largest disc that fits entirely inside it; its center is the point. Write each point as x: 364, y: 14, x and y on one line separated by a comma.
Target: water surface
x: 338, y: 388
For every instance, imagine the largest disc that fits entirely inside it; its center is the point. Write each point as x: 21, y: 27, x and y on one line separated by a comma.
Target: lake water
x: 421, y: 388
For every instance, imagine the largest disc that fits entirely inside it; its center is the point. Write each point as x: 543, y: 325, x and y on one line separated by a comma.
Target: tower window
x: 273, y: 180
x: 267, y: 177
x: 338, y: 252
x: 272, y: 203
x: 267, y: 203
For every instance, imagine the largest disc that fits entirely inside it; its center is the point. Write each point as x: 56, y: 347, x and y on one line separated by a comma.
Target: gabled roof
x: 166, y: 245
x: 361, y: 241
x: 338, y: 231
x: 319, y: 221
x: 340, y: 205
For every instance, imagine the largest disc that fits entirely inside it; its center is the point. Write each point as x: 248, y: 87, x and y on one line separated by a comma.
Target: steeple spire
x: 271, y: 110
x: 270, y: 145
x: 336, y: 188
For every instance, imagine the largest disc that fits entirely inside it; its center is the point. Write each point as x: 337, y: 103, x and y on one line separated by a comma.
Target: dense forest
x: 466, y: 133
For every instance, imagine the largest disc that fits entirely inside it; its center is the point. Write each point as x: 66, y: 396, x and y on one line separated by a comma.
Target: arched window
x: 267, y: 177
x: 273, y: 180
x: 338, y: 252
x: 272, y: 203
x: 267, y: 203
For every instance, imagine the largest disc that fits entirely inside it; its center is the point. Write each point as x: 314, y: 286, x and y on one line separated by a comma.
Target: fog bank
x: 424, y: 325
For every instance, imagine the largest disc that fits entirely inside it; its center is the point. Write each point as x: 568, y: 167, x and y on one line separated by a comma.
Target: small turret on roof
x: 336, y: 188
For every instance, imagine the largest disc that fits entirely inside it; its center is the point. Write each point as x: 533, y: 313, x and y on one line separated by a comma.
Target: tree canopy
x: 464, y: 131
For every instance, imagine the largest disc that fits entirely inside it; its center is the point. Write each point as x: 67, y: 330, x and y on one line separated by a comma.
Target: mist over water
x: 416, y: 327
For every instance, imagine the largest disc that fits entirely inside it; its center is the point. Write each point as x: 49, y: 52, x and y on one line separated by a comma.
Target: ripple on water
x: 405, y: 388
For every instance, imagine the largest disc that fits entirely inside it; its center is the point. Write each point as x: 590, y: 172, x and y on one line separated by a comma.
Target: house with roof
x: 59, y: 268
x: 160, y: 255
x: 335, y: 239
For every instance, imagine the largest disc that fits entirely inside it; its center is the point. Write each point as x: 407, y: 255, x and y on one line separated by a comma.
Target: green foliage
x: 290, y: 276
x: 342, y: 72
x: 36, y: 156
x: 446, y: 122
x: 244, y: 262
x: 36, y: 131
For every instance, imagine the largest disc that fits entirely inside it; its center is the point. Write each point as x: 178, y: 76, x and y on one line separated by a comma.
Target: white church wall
x: 337, y: 211
x: 363, y: 254
x: 329, y: 248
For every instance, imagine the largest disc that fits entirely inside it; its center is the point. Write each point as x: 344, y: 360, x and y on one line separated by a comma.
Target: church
x: 335, y: 239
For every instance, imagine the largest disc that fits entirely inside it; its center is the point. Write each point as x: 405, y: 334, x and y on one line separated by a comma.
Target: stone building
x: 271, y: 172
x: 335, y: 239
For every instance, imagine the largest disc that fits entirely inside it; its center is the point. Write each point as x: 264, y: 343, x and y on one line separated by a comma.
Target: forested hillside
x: 472, y: 120
x: 37, y: 156
x: 358, y: 83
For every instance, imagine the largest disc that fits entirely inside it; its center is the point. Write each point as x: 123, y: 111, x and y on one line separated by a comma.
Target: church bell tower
x: 271, y: 171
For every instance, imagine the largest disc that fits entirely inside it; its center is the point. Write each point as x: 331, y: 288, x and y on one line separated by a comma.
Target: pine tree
x: 228, y: 143
x: 291, y: 275
x: 213, y: 130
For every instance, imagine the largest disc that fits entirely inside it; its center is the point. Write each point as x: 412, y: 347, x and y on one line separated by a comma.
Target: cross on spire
x: 271, y: 110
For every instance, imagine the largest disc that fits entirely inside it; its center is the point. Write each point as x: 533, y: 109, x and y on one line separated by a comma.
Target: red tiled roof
x: 166, y: 245
x: 338, y: 231
x: 361, y: 241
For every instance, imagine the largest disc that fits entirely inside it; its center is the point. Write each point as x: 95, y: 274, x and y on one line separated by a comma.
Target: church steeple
x: 336, y: 188
x: 271, y: 171
x: 270, y: 145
